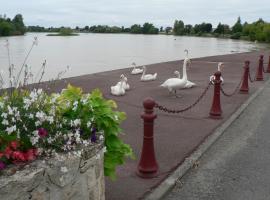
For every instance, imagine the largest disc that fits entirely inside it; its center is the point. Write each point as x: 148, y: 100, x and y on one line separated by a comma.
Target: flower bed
x: 38, y: 125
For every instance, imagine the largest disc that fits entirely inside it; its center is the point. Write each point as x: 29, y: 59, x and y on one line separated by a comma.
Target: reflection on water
x: 90, y: 53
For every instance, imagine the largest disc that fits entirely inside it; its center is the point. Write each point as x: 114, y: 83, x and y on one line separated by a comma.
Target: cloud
x: 123, y: 12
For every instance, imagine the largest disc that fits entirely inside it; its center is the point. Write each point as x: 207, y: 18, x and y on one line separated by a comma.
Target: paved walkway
x: 176, y: 136
x: 237, y: 165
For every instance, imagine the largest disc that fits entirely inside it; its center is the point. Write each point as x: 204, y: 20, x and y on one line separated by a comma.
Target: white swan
x: 173, y: 84
x: 189, y: 84
x: 148, y: 77
x: 136, y: 70
x: 125, y: 83
x: 118, y: 89
x: 212, y: 77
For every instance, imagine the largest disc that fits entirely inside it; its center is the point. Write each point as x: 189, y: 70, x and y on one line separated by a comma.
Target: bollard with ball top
x: 148, y: 167
x: 244, y: 87
x: 216, y: 112
x: 259, y: 74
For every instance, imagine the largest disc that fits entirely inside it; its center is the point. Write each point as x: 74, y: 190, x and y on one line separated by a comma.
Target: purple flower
x: 2, y: 165
x: 42, y: 132
x: 93, y: 135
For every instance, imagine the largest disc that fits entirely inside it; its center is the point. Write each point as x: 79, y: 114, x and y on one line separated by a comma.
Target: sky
x: 128, y: 12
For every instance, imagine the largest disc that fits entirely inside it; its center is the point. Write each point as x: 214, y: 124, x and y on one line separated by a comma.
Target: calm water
x: 90, y: 53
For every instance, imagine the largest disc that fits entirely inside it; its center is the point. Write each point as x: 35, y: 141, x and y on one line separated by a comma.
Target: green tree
x: 178, y: 27
x: 237, y: 27
x: 149, y: 29
x: 136, y: 28
x: 19, y: 25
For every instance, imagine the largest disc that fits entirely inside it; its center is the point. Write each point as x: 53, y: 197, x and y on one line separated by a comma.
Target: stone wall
x: 62, y: 178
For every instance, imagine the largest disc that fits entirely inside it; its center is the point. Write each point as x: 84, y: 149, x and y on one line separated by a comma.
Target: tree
x: 178, y: 27
x: 18, y: 23
x: 136, y: 28
x: 149, y: 29
x: 237, y: 27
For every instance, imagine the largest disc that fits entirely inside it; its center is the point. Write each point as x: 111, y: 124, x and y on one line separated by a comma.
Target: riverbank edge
x: 167, y: 184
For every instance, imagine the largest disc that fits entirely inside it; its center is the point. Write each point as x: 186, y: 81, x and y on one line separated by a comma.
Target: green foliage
x: 12, y: 27
x: 136, y: 28
x: 64, y: 32
x: 236, y: 35
x: 178, y: 27
x: 109, y: 121
x: 237, y: 27
x: 149, y: 29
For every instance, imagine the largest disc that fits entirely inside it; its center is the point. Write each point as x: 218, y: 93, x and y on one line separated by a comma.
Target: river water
x: 89, y: 53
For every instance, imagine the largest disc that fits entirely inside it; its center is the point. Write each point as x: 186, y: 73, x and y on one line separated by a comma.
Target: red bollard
x: 244, y: 86
x: 268, y: 68
x: 215, y: 112
x: 148, y: 166
x: 259, y: 75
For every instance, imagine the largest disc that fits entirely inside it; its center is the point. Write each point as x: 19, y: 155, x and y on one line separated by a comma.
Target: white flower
x: 37, y: 123
x: 39, y: 91
x: 88, y: 124
x: 11, y: 129
x: 101, y: 137
x: 49, y: 140
x: 27, y: 103
x: 4, y: 115
x: 34, y: 138
x: 13, y: 119
x: 5, y: 122
x: 75, y: 123
x: 10, y: 110
x: 84, y: 101
x: 64, y: 169
x: 104, y: 150
x: 1, y: 105
x: 41, y: 116
x: 50, y: 119
x: 31, y: 116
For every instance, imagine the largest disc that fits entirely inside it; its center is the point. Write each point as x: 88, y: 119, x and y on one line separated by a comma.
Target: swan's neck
x: 143, y: 72
x: 218, y: 68
x: 185, y: 70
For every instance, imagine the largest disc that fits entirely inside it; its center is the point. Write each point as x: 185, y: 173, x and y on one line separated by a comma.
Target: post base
x: 215, y: 116
x: 259, y: 79
x: 243, y: 92
x: 147, y: 174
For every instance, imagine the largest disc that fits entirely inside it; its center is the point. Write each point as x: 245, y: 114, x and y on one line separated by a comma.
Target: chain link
x: 249, y: 76
x: 168, y: 110
x: 234, y: 92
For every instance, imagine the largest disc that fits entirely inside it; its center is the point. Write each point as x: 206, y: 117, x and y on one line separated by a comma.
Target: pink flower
x: 8, y: 152
x: 18, y: 156
x: 42, y: 132
x: 14, y: 145
x: 30, y: 155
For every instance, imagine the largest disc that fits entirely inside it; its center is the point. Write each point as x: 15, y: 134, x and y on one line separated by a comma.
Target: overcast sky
x: 127, y: 12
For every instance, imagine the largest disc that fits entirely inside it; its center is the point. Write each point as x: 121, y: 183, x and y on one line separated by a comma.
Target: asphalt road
x: 236, y: 167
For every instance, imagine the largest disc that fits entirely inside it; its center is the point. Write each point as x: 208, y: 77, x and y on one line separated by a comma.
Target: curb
x: 188, y: 163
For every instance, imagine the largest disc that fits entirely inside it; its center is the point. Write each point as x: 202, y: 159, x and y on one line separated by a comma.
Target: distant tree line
x: 256, y: 31
x: 146, y: 28
x: 13, y: 26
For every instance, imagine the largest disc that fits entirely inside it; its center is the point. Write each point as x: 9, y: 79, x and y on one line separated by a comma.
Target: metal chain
x: 249, y: 76
x: 168, y: 110
x: 234, y: 92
